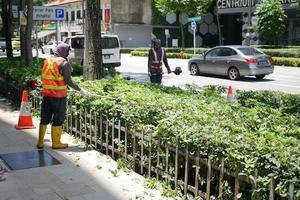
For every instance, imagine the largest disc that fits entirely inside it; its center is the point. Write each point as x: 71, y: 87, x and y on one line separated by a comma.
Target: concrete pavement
x: 82, y: 175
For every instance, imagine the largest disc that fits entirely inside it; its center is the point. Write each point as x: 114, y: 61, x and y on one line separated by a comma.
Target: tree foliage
x: 183, y: 6
x: 195, y: 7
x: 271, y: 18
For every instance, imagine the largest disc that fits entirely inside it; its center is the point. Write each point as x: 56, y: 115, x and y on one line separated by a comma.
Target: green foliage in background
x: 271, y: 18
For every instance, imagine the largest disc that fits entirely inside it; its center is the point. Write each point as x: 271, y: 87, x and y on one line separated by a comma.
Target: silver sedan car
x: 232, y: 61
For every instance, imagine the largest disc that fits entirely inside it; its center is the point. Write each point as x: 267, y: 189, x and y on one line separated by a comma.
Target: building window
x: 72, y: 15
x: 78, y: 14
x: 67, y: 16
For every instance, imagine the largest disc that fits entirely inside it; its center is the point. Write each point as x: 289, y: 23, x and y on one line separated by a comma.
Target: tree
x: 270, y: 20
x: 28, y: 30
x: 92, y: 66
x: 195, y: 7
x: 7, y: 26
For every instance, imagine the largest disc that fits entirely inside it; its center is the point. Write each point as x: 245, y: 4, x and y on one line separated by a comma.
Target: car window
x: 77, y: 43
x: 250, y: 51
x: 213, y: 53
x: 226, y: 52
x: 50, y: 43
x: 67, y: 41
x: 109, y: 43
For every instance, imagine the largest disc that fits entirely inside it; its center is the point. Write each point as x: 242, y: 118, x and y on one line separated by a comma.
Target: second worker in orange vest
x: 156, y: 58
x: 56, y: 76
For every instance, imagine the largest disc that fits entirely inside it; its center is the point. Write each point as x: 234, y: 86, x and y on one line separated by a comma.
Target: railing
x: 150, y: 157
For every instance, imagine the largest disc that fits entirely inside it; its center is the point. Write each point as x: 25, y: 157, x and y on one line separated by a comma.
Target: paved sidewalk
x: 82, y: 175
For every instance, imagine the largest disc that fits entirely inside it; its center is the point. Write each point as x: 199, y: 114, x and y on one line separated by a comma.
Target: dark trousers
x: 53, y: 110
x: 156, y: 78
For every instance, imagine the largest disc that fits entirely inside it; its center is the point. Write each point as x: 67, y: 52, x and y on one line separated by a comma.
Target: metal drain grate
x: 28, y: 159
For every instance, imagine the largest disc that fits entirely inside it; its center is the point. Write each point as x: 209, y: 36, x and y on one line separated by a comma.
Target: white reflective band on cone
x: 25, y: 109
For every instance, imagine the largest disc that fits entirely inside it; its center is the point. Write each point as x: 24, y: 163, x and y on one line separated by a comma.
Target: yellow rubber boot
x: 42, y: 132
x: 55, y: 135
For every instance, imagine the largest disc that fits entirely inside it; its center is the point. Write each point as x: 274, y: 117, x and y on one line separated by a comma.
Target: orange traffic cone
x: 230, y: 96
x: 25, y: 119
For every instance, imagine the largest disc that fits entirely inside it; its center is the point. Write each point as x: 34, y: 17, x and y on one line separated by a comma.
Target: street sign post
x: 196, y: 18
x: 194, y: 27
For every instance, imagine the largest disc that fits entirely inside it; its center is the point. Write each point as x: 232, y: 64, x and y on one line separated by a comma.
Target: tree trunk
x: 28, y: 32
x: 92, y: 66
x: 22, y: 30
x: 7, y: 26
x: 219, y: 29
x: 182, y: 31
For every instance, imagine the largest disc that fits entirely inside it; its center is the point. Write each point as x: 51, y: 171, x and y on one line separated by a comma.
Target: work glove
x: 84, y: 92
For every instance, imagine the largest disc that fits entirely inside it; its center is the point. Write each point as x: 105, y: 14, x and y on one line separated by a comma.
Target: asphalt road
x: 285, y: 79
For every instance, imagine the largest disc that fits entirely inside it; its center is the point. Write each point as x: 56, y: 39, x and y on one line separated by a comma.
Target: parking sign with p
x: 59, y: 13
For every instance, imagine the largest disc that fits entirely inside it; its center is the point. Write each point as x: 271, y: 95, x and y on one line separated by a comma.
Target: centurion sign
x: 238, y: 6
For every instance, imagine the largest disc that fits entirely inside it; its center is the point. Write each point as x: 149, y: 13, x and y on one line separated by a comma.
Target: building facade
x: 129, y: 19
x: 236, y: 26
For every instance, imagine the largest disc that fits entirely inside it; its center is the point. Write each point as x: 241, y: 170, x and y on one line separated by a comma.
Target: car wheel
x: 43, y: 52
x: 260, y: 76
x: 51, y: 52
x: 3, y: 50
x: 233, y: 73
x: 194, y: 69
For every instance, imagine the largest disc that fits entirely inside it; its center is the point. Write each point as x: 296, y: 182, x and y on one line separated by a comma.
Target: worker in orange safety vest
x: 56, y: 76
x: 156, y: 58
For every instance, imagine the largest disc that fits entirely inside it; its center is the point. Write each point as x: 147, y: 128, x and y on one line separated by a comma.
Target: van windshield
x: 109, y: 43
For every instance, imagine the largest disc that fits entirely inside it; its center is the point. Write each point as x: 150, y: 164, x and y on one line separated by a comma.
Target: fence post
x: 157, y: 160
x: 176, y: 165
x: 167, y: 165
x: 142, y: 153
x: 71, y: 118
x: 272, y: 188
x: 186, y: 171
x: 134, y: 148
x: 96, y: 129
x: 253, y: 195
x: 197, y: 174
x: 112, y: 138
x: 106, y: 135
x: 80, y: 123
x: 208, y: 178
x: 101, y: 131
x: 119, y: 137
x: 221, y: 178
x: 291, y: 191
x: 85, y: 126
x: 126, y: 135
x: 90, y: 128
x: 150, y: 149
x: 236, y: 182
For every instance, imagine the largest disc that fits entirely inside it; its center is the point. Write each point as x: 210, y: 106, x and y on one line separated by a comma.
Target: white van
x: 111, y: 52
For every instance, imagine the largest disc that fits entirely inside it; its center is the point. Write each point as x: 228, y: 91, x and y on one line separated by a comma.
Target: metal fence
x: 196, y: 174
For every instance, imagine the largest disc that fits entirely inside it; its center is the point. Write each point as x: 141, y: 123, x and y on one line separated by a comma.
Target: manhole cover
x: 28, y: 159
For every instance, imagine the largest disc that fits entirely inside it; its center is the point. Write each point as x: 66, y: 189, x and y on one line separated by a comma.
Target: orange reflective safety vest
x: 52, y: 81
x: 157, y: 64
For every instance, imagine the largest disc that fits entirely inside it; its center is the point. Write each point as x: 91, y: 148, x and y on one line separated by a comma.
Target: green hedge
x: 260, y: 131
x: 293, y: 53
x: 292, y: 62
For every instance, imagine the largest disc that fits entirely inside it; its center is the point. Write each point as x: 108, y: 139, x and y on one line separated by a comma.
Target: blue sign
x: 60, y: 13
x: 193, y: 25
